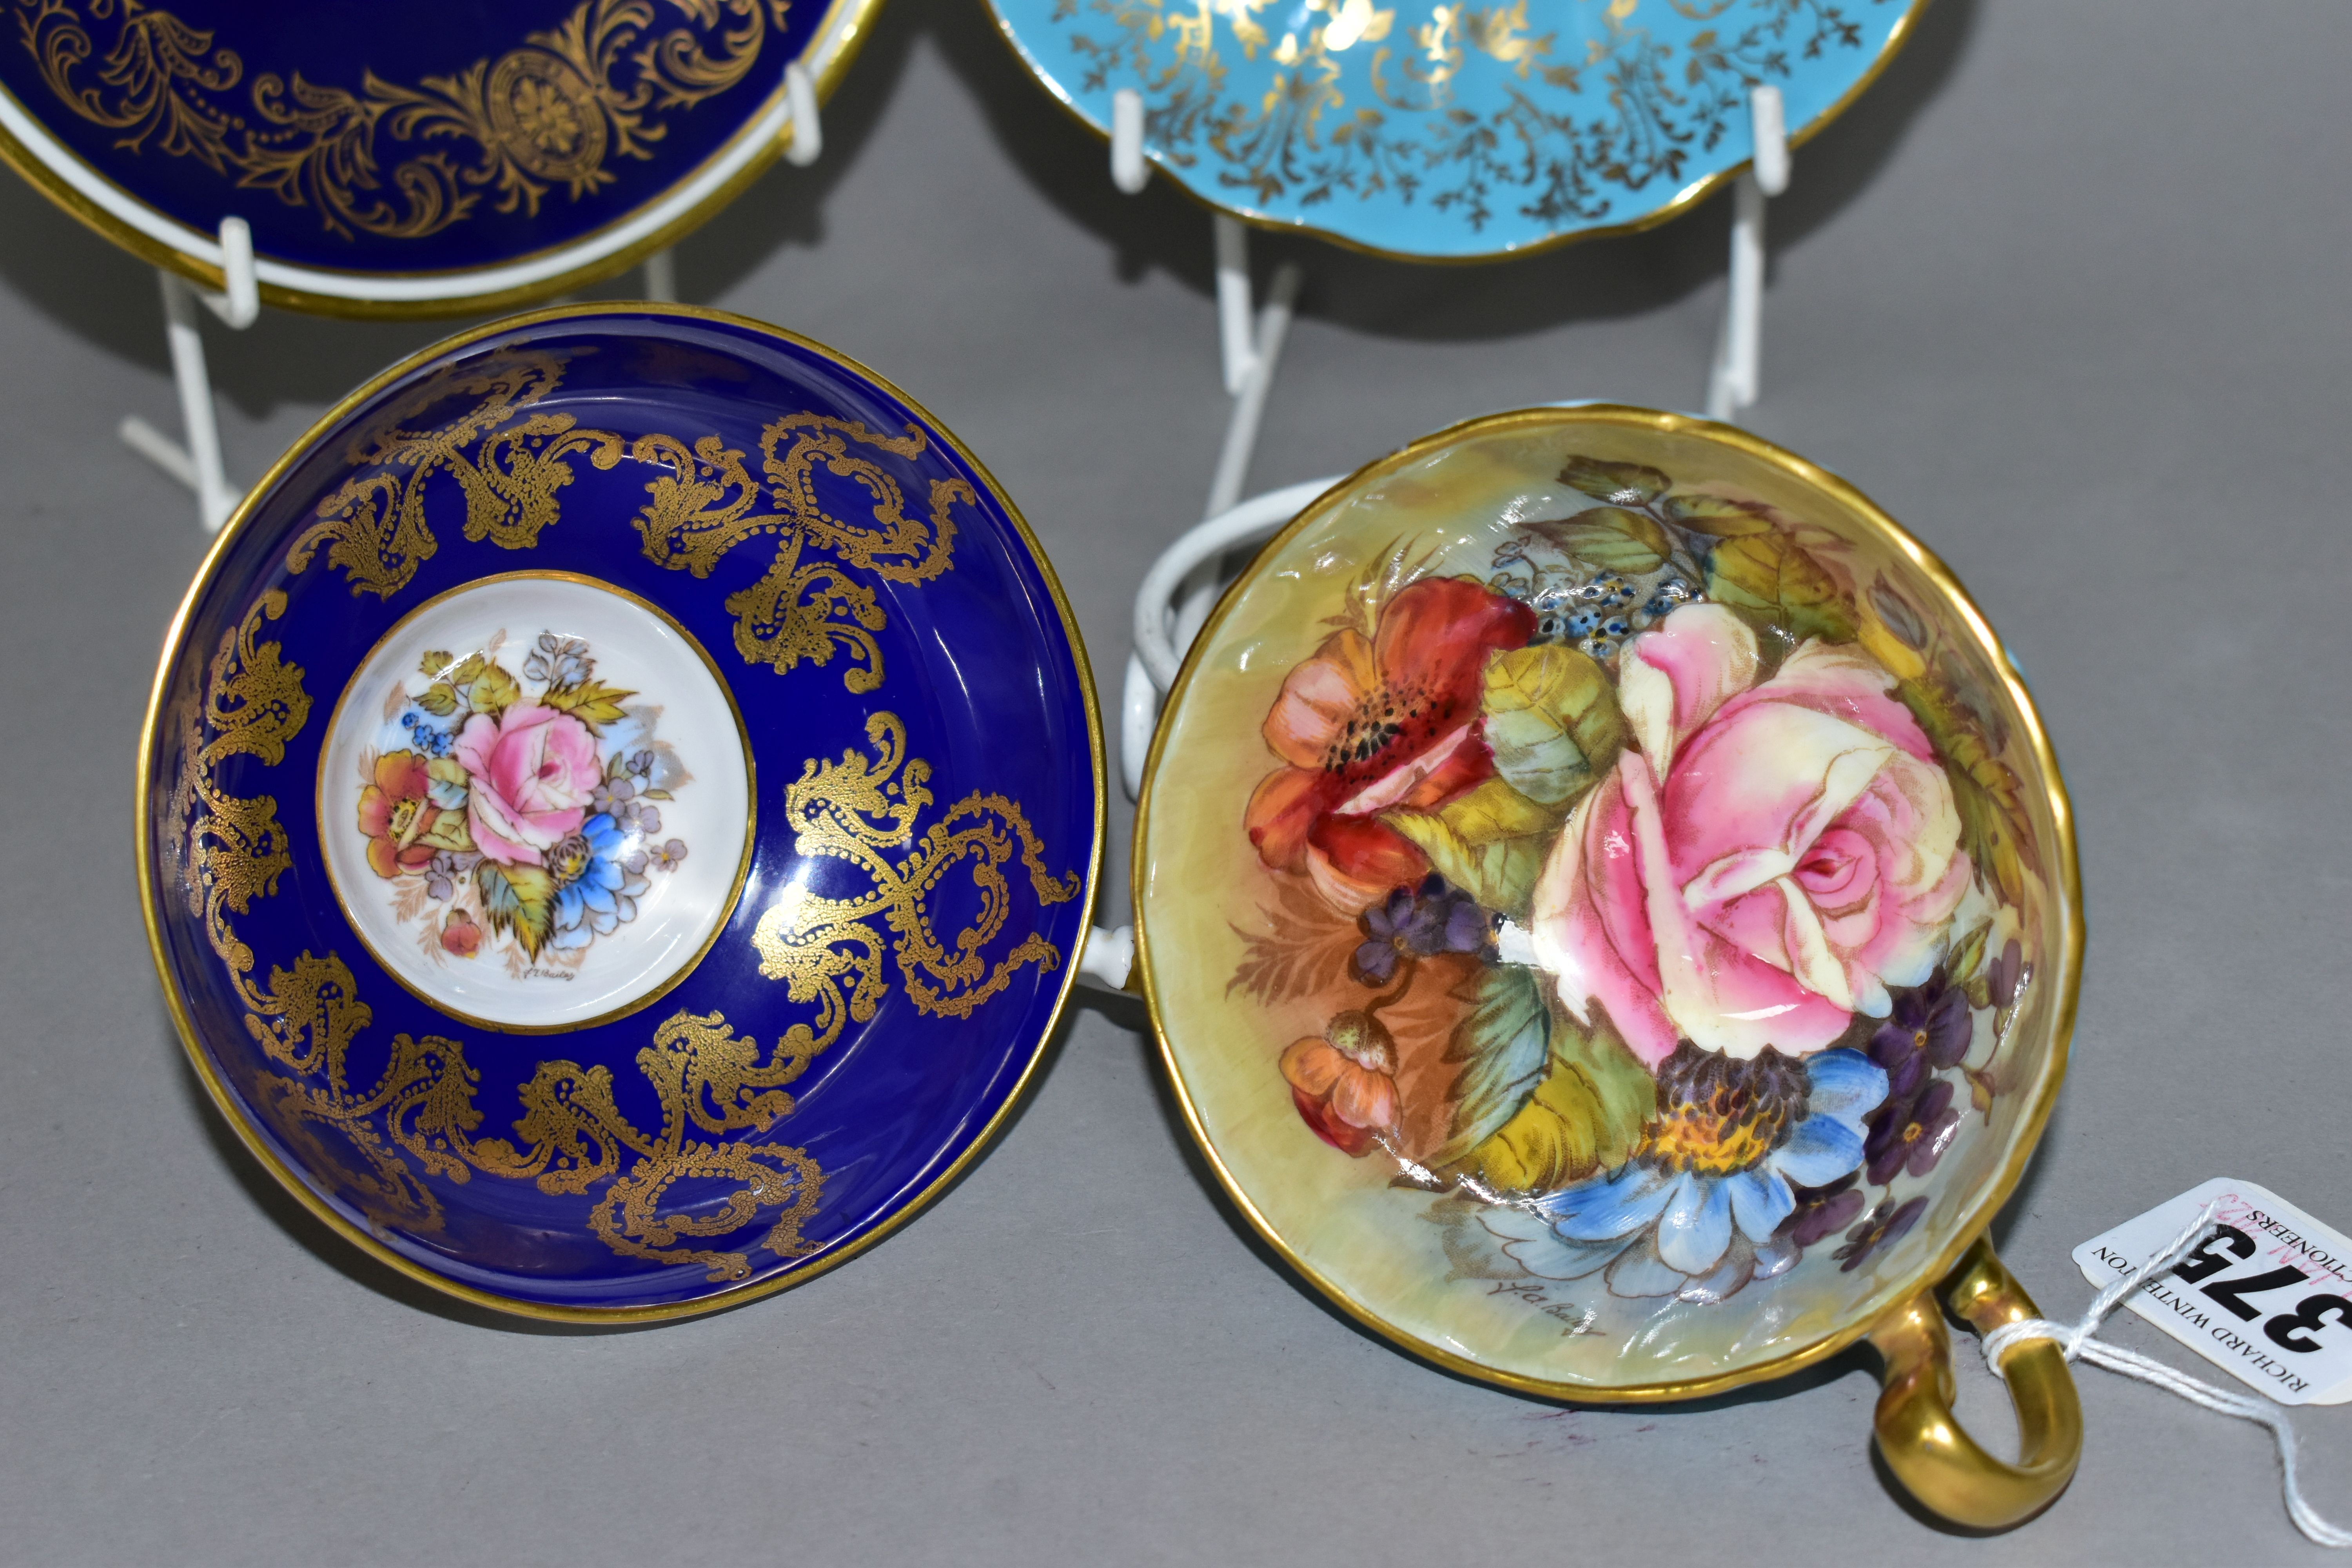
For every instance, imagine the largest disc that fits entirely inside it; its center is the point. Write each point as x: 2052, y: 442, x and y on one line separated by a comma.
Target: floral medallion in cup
x: 618, y: 812
x: 511, y: 794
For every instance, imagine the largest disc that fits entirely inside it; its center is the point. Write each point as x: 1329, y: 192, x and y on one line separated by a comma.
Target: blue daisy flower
x: 592, y: 896
x: 1695, y: 1214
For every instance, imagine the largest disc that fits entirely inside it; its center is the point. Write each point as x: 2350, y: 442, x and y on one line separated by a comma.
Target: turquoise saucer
x: 1446, y: 133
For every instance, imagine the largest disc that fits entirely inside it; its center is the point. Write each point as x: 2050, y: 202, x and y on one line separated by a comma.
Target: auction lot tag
x: 2268, y: 1296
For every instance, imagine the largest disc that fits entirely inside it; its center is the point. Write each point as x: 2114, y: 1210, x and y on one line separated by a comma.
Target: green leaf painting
x: 1627, y: 484
x: 518, y: 898
x: 1505, y: 1046
x: 1542, y: 1101
x: 1770, y: 576
x: 592, y: 703
x: 448, y: 832
x: 1609, y: 538
x: 1716, y: 516
x: 1986, y: 792
x: 1552, y: 722
x: 1490, y: 843
x: 494, y: 690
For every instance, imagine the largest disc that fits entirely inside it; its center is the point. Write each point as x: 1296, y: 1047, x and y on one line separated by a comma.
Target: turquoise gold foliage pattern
x: 1547, y: 116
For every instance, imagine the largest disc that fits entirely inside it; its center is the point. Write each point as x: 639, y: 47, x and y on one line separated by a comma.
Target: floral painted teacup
x: 1619, y: 931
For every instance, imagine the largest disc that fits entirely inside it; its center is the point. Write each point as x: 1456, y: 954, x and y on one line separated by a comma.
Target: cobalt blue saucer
x: 448, y: 156
x: 1444, y: 132
x: 619, y: 812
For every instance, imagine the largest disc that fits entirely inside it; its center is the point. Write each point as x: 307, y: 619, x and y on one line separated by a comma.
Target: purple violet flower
x: 1823, y: 1211
x: 2007, y: 973
x: 1881, y: 1228
x: 1929, y: 1029
x: 1911, y: 1132
x: 1418, y: 924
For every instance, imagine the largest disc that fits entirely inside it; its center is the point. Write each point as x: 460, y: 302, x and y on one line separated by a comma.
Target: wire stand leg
x: 1249, y: 404
x: 661, y: 276
x: 1739, y: 352
x: 196, y: 462
x: 1736, y: 377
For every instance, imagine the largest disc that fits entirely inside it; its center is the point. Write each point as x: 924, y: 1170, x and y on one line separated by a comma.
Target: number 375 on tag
x: 2268, y: 1295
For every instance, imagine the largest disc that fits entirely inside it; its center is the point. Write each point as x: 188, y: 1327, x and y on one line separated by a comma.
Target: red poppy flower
x: 1383, y: 723
x: 1344, y: 1083
x: 394, y: 812
x: 461, y: 937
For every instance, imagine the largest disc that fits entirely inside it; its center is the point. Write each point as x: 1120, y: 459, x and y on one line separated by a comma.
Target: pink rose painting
x: 1705, y: 915
x: 533, y: 771
x: 1765, y: 862
x: 519, y: 814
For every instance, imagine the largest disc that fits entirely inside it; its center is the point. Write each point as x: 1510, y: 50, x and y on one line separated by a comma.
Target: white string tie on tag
x: 2075, y: 1342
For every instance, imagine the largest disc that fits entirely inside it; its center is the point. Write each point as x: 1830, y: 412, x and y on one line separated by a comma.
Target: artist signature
x: 1579, y: 1319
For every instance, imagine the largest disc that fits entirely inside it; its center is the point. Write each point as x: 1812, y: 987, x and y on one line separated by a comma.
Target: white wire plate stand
x: 195, y: 459
x: 1183, y: 584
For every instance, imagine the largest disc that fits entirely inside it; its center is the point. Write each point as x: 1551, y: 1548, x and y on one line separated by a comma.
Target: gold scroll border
x: 850, y: 20
x: 1681, y: 201
x: 226, y: 1102
x: 742, y: 864
x: 1972, y: 1217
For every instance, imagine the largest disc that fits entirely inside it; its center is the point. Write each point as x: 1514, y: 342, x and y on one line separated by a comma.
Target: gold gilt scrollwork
x: 509, y: 464
x: 810, y: 601
x: 557, y: 110
x: 572, y: 1134
x: 233, y: 850
x: 861, y: 810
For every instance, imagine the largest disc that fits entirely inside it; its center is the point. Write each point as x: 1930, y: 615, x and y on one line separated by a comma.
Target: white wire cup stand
x: 1734, y: 382
x: 196, y: 459
x: 1183, y: 584
x: 1249, y: 342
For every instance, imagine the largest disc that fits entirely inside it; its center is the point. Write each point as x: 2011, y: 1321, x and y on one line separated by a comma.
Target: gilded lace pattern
x: 572, y: 1135
x: 559, y: 110
x: 507, y: 460
x: 810, y: 602
x: 512, y: 461
x: 1369, y: 103
x: 862, y: 812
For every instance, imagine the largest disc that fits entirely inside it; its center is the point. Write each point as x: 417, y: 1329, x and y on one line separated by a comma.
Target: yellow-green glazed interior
x: 1589, y: 802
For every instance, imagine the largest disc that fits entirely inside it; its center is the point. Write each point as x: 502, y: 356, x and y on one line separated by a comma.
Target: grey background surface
x: 2065, y: 292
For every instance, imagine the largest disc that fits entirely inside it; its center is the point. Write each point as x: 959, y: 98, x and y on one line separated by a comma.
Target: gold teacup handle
x: 1923, y: 1442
